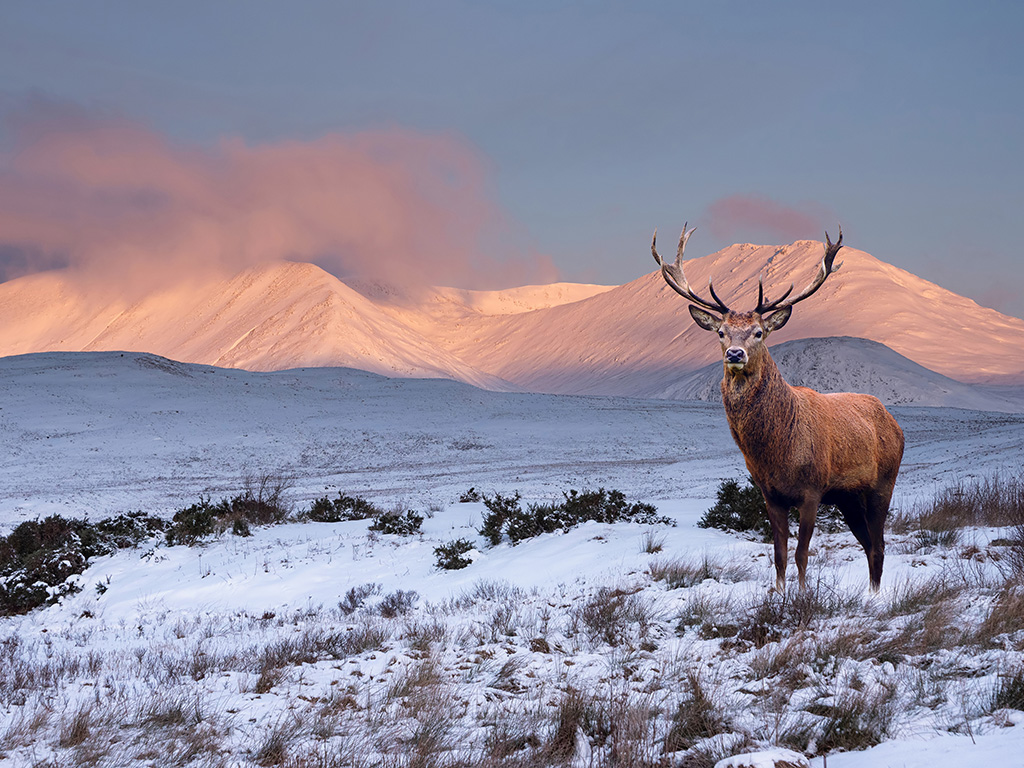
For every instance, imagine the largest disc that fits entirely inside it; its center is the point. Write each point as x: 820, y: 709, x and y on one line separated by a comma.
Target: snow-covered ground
x: 176, y: 640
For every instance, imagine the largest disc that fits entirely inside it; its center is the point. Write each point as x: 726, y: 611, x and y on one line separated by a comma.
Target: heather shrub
x: 397, y: 522
x: 499, y: 510
x: 356, y: 597
x: 507, y: 518
x: 451, y: 556
x: 325, y: 510
x: 39, y: 557
x: 742, y: 509
x: 261, y: 502
x: 738, y: 509
x: 192, y: 524
x: 603, y: 506
x: 397, y: 603
x: 469, y: 496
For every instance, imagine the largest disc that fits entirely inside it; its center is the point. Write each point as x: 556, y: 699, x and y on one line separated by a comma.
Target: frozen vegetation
x: 307, y: 638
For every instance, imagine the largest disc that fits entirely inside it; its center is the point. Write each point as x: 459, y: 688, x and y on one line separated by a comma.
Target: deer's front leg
x: 778, y: 518
x: 808, y: 516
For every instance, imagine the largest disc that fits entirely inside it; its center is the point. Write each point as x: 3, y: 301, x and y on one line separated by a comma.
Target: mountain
x: 635, y: 339
x: 273, y: 317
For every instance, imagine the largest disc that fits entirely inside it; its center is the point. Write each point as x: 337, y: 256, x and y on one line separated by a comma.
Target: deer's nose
x: 735, y: 355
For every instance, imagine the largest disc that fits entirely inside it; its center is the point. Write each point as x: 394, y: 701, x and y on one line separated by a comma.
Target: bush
x: 341, y: 509
x: 603, y: 506
x: 38, y: 558
x: 399, y: 523
x: 356, y: 596
x: 743, y: 509
x: 537, y: 519
x: 450, y: 556
x: 499, y: 509
x: 506, y: 516
x: 738, y: 509
x: 470, y: 496
x: 260, y: 503
x: 192, y: 524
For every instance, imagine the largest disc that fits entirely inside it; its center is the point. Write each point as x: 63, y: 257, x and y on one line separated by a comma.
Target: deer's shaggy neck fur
x: 762, y: 411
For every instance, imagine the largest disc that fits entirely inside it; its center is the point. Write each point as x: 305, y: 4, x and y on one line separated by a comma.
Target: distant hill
x: 844, y: 364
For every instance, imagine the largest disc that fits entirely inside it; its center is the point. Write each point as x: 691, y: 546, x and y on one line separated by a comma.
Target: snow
x: 103, y: 432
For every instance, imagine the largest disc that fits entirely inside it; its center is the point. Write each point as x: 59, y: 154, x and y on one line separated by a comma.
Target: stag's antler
x: 824, y: 270
x: 673, y: 274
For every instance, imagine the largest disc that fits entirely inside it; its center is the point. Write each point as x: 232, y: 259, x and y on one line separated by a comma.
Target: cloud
x: 124, y: 205
x: 756, y: 219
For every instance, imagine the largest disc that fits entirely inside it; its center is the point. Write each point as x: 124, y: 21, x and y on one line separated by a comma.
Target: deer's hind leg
x: 876, y: 512
x: 860, y: 511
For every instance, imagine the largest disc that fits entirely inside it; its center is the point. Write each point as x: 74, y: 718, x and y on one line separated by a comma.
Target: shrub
x: 399, y: 523
x: 343, y: 508
x: 192, y: 524
x: 356, y: 596
x: 603, y: 506
x: 260, y: 503
x: 738, y: 509
x: 537, y: 519
x: 499, y: 509
x: 742, y: 509
x: 612, y: 615
x: 450, y: 556
x: 506, y: 516
x: 470, y: 496
x: 38, y: 558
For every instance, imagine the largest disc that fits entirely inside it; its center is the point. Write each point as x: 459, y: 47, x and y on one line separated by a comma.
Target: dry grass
x: 996, y: 501
x: 498, y: 678
x: 613, y: 616
x: 679, y: 573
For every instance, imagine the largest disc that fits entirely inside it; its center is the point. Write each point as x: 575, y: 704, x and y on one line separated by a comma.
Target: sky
x: 487, y: 144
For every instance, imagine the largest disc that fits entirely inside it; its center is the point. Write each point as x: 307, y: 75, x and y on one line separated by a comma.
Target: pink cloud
x: 122, y: 204
x: 758, y: 219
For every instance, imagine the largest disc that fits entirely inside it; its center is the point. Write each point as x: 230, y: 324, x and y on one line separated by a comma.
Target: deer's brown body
x: 802, y: 448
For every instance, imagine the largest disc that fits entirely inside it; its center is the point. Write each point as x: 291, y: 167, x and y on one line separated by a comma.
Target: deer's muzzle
x: 735, y: 356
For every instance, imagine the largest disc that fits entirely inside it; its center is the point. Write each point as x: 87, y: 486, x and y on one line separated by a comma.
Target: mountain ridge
x: 636, y: 339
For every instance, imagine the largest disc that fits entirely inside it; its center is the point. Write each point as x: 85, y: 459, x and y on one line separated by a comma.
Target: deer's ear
x: 775, y: 320
x: 705, y: 320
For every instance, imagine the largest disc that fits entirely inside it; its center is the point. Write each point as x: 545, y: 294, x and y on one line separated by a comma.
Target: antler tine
x: 762, y: 307
x: 676, y: 279
x: 825, y: 268
x: 723, y: 309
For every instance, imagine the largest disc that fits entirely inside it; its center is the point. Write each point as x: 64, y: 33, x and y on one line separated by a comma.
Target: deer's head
x: 742, y: 334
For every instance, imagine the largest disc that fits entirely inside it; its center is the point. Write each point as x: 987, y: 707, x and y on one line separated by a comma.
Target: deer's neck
x: 760, y: 406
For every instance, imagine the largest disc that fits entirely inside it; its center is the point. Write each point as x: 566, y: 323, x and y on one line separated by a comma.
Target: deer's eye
x: 721, y: 334
x: 758, y: 334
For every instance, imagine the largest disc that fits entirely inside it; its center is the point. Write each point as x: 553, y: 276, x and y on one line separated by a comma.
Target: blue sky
x: 590, y: 124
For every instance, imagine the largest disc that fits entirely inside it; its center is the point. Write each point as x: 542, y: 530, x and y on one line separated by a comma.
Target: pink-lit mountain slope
x: 636, y: 339
x: 275, y: 317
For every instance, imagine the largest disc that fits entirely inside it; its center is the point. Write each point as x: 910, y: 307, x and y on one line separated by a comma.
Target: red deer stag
x: 802, y: 448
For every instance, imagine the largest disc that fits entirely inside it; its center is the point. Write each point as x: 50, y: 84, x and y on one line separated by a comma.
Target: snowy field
x: 275, y: 649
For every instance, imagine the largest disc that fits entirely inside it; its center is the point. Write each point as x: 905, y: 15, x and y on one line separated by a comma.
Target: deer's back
x: 854, y: 439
